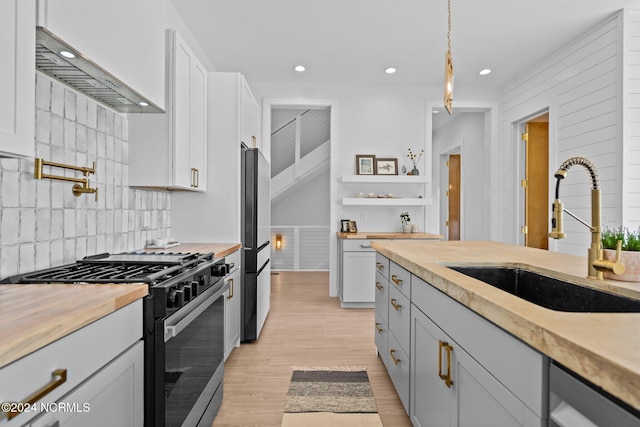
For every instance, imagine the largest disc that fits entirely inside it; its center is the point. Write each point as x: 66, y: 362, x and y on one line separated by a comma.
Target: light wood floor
x: 305, y: 327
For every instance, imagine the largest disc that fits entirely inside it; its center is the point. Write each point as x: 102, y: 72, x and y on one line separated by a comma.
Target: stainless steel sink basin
x: 548, y: 292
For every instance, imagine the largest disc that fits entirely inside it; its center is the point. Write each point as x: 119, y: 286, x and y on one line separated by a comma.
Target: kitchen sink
x: 548, y: 292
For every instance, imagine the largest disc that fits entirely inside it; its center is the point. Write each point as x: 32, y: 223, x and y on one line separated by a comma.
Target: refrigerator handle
x: 264, y: 245
x: 263, y: 267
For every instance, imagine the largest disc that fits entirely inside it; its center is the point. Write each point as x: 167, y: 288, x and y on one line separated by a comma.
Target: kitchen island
x: 600, y: 347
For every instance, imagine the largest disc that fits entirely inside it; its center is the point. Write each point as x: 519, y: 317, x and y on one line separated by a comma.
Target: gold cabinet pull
x: 395, y: 304
x: 195, y: 177
x: 230, y: 289
x: 379, y: 286
x: 59, y: 378
x: 395, y: 280
x: 392, y: 352
x: 378, y: 328
x: 379, y: 266
x: 448, y: 348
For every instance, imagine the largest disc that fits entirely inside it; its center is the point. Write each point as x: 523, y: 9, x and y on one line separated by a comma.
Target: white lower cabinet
x: 111, y: 397
x: 232, y: 319
x: 91, y: 377
x: 358, y: 261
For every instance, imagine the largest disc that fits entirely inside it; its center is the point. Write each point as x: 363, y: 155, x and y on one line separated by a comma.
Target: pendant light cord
x: 449, y: 31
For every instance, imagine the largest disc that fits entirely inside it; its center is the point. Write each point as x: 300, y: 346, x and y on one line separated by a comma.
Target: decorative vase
x: 631, y: 261
x: 415, y: 171
x: 406, y: 228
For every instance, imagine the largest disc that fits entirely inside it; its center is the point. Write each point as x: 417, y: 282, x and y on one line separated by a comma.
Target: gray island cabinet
x: 450, y: 366
x: 463, y: 353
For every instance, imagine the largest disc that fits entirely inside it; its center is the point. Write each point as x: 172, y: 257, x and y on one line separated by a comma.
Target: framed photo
x: 344, y: 225
x: 365, y: 164
x: 352, y: 227
x: 386, y: 166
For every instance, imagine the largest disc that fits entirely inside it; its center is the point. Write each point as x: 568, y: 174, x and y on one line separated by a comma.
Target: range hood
x: 79, y: 72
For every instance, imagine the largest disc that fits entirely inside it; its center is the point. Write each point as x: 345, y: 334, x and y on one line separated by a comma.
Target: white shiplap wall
x: 581, y: 85
x: 631, y: 149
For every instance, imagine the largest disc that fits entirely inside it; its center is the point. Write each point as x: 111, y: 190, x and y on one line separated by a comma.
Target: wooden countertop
x: 387, y: 235
x: 601, y: 347
x: 32, y: 316
x: 220, y: 250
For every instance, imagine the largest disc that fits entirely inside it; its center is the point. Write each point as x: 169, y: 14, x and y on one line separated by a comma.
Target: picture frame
x: 353, y: 228
x: 365, y: 164
x: 386, y: 166
x: 344, y: 225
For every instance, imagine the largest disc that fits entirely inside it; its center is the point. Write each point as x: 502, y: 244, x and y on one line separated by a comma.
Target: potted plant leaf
x: 630, y: 255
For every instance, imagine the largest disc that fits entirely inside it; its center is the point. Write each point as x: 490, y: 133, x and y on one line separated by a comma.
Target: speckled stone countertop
x: 601, y: 347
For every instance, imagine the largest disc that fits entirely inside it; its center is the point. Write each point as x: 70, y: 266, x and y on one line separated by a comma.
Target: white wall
x: 631, y: 111
x: 581, y: 85
x: 305, y: 204
x: 465, y: 134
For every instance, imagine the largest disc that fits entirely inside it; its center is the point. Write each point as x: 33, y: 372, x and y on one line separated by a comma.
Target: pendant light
x: 448, y: 69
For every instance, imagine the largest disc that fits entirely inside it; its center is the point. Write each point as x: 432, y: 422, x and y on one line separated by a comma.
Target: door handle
x: 230, y: 289
x: 395, y: 304
x: 59, y: 378
x: 378, y: 328
x: 396, y: 280
x: 448, y: 349
x: 392, y: 352
x: 379, y: 286
x: 379, y: 266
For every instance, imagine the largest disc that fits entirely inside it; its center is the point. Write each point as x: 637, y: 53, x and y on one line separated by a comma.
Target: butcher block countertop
x: 32, y: 316
x: 388, y: 235
x: 220, y: 250
x: 601, y: 347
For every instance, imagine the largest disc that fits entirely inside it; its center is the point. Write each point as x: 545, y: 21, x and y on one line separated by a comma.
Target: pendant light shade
x: 448, y: 68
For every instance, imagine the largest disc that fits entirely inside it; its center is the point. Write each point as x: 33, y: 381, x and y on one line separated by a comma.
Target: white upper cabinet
x: 124, y: 37
x: 250, y: 118
x: 17, y: 78
x: 168, y: 151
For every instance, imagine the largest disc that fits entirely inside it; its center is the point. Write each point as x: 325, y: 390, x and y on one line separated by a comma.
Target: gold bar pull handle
x: 395, y: 304
x: 395, y: 280
x: 392, y: 352
x: 59, y: 378
x: 378, y: 328
x: 230, y: 289
x: 379, y: 266
x: 379, y: 286
x: 448, y: 348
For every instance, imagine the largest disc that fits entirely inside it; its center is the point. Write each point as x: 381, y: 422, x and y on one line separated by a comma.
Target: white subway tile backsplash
x: 9, y: 229
x: 57, y: 98
x: 56, y: 123
x: 27, y: 257
x: 27, y: 225
x: 43, y: 126
x: 42, y: 255
x: 69, y: 105
x: 43, y: 92
x: 42, y: 224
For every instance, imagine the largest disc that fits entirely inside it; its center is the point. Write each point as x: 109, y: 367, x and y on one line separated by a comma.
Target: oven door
x: 193, y: 368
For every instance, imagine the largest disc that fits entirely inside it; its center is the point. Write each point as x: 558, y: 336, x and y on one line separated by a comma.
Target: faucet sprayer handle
x: 615, y: 267
x: 556, y: 220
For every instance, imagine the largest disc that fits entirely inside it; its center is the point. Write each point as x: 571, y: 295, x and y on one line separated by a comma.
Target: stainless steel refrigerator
x: 256, y: 221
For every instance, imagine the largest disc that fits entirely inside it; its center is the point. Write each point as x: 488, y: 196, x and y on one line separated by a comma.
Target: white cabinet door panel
x: 358, y: 279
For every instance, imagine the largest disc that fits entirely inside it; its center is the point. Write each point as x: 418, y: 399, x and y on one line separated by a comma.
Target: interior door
x: 536, y: 185
x: 454, y: 197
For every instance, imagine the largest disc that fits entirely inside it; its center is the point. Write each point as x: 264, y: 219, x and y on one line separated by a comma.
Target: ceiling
x: 353, y: 41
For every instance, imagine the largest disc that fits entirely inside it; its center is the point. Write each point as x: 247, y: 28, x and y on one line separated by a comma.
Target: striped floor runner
x: 330, y: 397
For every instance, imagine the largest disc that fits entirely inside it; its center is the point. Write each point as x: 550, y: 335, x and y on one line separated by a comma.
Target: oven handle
x: 172, y: 327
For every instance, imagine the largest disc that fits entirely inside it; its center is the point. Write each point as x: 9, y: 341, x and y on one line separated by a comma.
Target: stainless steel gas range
x: 183, y: 326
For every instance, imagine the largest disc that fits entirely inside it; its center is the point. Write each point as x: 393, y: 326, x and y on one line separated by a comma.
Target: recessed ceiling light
x: 299, y: 68
x: 390, y: 70
x: 484, y: 72
x: 143, y: 104
x: 67, y: 54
